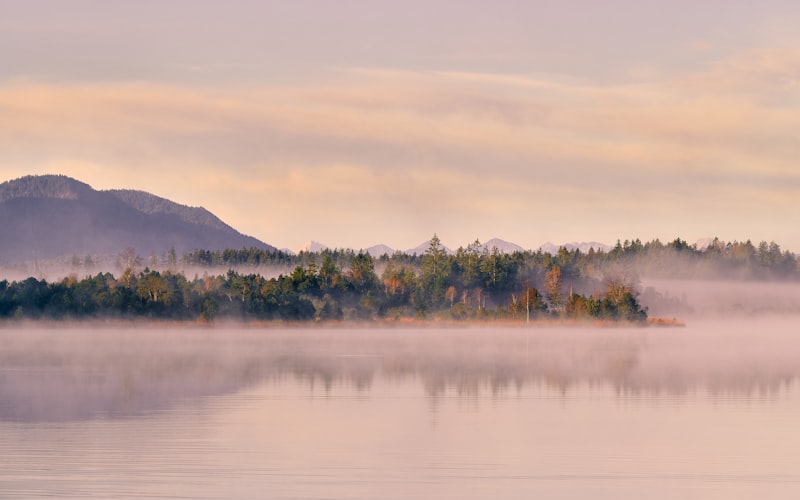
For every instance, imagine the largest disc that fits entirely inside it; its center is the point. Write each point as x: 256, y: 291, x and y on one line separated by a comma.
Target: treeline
x: 471, y: 284
x: 675, y: 259
x: 719, y: 260
x: 155, y: 295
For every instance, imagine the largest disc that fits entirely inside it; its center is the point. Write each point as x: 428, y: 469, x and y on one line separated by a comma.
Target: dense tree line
x: 156, y: 295
x: 471, y: 284
x: 675, y: 259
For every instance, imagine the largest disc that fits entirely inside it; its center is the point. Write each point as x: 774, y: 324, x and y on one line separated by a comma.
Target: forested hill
x: 151, y: 204
x: 53, y: 215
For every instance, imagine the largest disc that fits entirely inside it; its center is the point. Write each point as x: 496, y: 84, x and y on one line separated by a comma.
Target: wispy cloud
x: 404, y: 145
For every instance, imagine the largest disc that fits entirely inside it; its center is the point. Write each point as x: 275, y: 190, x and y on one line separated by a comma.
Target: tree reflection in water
x: 82, y: 373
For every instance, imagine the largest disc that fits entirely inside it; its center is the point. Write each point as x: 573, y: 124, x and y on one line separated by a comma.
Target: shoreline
x: 398, y: 323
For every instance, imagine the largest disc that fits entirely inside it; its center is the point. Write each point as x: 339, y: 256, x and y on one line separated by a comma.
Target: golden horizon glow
x: 362, y: 153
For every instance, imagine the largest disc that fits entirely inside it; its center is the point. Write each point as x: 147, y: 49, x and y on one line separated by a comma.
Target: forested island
x: 472, y: 283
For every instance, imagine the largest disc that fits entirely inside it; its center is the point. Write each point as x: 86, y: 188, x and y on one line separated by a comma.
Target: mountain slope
x: 152, y: 204
x: 52, y: 215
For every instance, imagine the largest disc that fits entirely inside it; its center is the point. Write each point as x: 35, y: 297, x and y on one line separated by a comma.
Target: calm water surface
x: 708, y: 411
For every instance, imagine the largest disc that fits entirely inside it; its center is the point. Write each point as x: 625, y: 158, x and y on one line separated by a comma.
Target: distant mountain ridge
x: 49, y: 216
x: 502, y: 246
x: 489, y: 246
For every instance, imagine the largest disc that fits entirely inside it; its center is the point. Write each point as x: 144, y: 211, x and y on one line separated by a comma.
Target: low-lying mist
x: 85, y: 372
x: 672, y: 280
x: 693, y: 299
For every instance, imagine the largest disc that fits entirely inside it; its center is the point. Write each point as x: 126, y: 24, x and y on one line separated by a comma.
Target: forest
x: 472, y: 283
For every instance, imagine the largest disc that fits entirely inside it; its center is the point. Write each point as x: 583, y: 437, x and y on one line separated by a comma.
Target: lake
x: 706, y: 411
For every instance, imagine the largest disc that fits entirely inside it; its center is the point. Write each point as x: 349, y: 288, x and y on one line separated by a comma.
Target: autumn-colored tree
x: 450, y: 295
x: 552, y: 284
x: 620, y: 303
x: 580, y: 307
x: 532, y: 301
x: 393, y: 284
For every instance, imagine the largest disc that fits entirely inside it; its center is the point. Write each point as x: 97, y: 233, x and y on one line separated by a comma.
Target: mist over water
x: 100, y: 372
x: 721, y: 300
x: 114, y: 411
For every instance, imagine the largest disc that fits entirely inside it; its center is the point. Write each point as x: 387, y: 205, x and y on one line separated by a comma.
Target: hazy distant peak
x: 378, y: 250
x: 312, y: 246
x: 152, y: 204
x: 43, y: 186
x: 704, y: 243
x: 501, y: 245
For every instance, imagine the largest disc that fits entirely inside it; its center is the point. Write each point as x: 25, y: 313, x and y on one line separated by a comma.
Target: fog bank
x: 83, y: 372
x: 692, y: 299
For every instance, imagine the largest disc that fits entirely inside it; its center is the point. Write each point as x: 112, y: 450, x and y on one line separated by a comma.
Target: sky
x: 356, y: 123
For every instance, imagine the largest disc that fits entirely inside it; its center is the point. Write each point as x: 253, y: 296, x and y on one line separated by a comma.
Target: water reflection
x: 76, y: 374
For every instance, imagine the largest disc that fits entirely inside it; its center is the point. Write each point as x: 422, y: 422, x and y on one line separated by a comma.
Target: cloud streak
x: 539, y: 157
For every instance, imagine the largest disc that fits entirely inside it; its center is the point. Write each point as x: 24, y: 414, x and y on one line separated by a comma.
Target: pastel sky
x: 363, y: 122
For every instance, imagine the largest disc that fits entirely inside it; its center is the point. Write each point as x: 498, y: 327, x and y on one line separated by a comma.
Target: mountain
x: 312, y: 246
x: 703, y: 243
x: 378, y: 250
x: 50, y: 216
x: 583, y: 246
x: 502, y: 246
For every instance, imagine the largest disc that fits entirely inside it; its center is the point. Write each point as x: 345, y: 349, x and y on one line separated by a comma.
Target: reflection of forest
x: 79, y: 374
